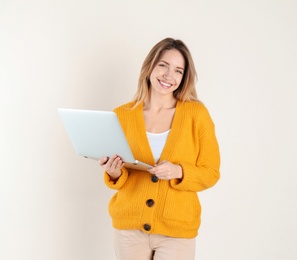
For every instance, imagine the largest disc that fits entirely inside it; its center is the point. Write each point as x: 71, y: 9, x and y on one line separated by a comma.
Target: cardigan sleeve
x: 115, y: 185
x: 205, y: 173
x: 110, y: 183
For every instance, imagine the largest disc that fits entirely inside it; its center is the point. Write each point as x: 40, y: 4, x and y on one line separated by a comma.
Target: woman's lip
x: 165, y: 84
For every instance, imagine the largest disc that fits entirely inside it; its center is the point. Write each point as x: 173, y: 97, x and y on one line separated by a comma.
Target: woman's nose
x: 167, y: 74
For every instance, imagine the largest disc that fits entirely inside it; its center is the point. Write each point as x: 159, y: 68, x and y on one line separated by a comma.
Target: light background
x: 87, y: 54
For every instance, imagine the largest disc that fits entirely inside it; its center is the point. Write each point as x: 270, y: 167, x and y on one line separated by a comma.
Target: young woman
x: 156, y: 213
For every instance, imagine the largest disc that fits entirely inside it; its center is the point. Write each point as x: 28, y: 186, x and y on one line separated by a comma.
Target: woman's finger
x: 103, y: 160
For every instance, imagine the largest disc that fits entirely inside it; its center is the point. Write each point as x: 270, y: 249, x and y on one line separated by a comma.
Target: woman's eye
x: 179, y: 71
x: 161, y: 64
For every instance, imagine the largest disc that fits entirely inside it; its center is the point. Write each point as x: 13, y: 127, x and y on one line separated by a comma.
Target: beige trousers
x: 137, y: 245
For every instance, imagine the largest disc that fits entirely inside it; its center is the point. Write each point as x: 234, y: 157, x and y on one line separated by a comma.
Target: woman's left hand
x: 166, y: 171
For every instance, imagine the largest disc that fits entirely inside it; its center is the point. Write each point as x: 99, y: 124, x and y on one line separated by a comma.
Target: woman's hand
x: 166, y: 171
x: 112, y: 166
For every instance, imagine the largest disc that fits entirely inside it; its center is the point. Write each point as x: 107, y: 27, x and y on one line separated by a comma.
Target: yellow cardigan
x: 164, y: 207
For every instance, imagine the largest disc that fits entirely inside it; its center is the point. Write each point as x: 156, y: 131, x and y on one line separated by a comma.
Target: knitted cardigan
x: 174, y: 208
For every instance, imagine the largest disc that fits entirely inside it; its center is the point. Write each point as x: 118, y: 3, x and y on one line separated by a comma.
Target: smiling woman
x: 168, y: 73
x: 186, y: 90
x: 156, y: 213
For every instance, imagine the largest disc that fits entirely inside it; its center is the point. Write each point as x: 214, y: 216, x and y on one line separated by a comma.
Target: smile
x: 165, y: 84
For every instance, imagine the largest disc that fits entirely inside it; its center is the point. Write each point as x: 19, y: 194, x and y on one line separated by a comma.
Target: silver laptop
x: 96, y: 134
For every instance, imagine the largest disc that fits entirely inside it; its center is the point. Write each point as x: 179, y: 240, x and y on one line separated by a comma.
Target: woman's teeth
x: 164, y: 84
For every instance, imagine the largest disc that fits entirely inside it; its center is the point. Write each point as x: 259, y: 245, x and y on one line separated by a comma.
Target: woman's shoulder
x: 125, y: 108
x: 196, y: 110
x: 194, y: 106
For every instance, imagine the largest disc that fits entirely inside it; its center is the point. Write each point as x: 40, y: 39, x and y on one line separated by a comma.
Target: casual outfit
x: 161, y: 207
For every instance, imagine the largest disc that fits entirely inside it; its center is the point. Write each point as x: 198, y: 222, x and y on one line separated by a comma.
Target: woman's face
x: 168, y: 72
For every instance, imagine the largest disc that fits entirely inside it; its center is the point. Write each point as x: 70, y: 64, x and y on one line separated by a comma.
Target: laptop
x: 96, y: 134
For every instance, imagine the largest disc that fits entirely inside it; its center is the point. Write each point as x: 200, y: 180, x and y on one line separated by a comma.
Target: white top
x: 157, y: 142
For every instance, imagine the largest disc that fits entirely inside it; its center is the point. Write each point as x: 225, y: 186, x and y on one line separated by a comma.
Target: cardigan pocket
x: 182, y: 206
x: 120, y: 207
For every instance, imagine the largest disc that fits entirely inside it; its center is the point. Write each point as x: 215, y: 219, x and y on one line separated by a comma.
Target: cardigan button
x: 150, y: 202
x: 147, y: 227
x: 154, y: 178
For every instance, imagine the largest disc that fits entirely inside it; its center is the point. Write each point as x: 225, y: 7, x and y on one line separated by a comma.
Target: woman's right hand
x: 112, y: 166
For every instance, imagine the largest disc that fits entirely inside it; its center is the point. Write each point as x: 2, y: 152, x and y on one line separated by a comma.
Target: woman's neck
x: 160, y: 103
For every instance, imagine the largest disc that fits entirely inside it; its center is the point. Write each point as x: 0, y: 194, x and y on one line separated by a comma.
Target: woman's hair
x: 186, y: 90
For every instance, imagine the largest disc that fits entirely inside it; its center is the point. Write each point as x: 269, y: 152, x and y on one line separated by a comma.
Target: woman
x: 156, y: 213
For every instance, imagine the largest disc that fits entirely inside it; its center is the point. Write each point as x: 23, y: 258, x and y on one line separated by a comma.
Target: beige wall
x: 87, y: 54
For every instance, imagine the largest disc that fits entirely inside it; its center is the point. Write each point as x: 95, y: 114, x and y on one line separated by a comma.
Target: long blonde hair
x: 186, y: 90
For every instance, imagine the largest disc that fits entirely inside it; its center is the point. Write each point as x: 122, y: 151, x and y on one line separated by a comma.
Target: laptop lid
x: 95, y: 134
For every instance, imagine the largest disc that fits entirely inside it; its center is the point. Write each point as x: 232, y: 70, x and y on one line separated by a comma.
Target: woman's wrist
x: 115, y: 175
x: 179, y: 171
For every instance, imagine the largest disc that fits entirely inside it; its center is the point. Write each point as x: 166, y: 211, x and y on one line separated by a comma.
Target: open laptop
x: 96, y: 134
